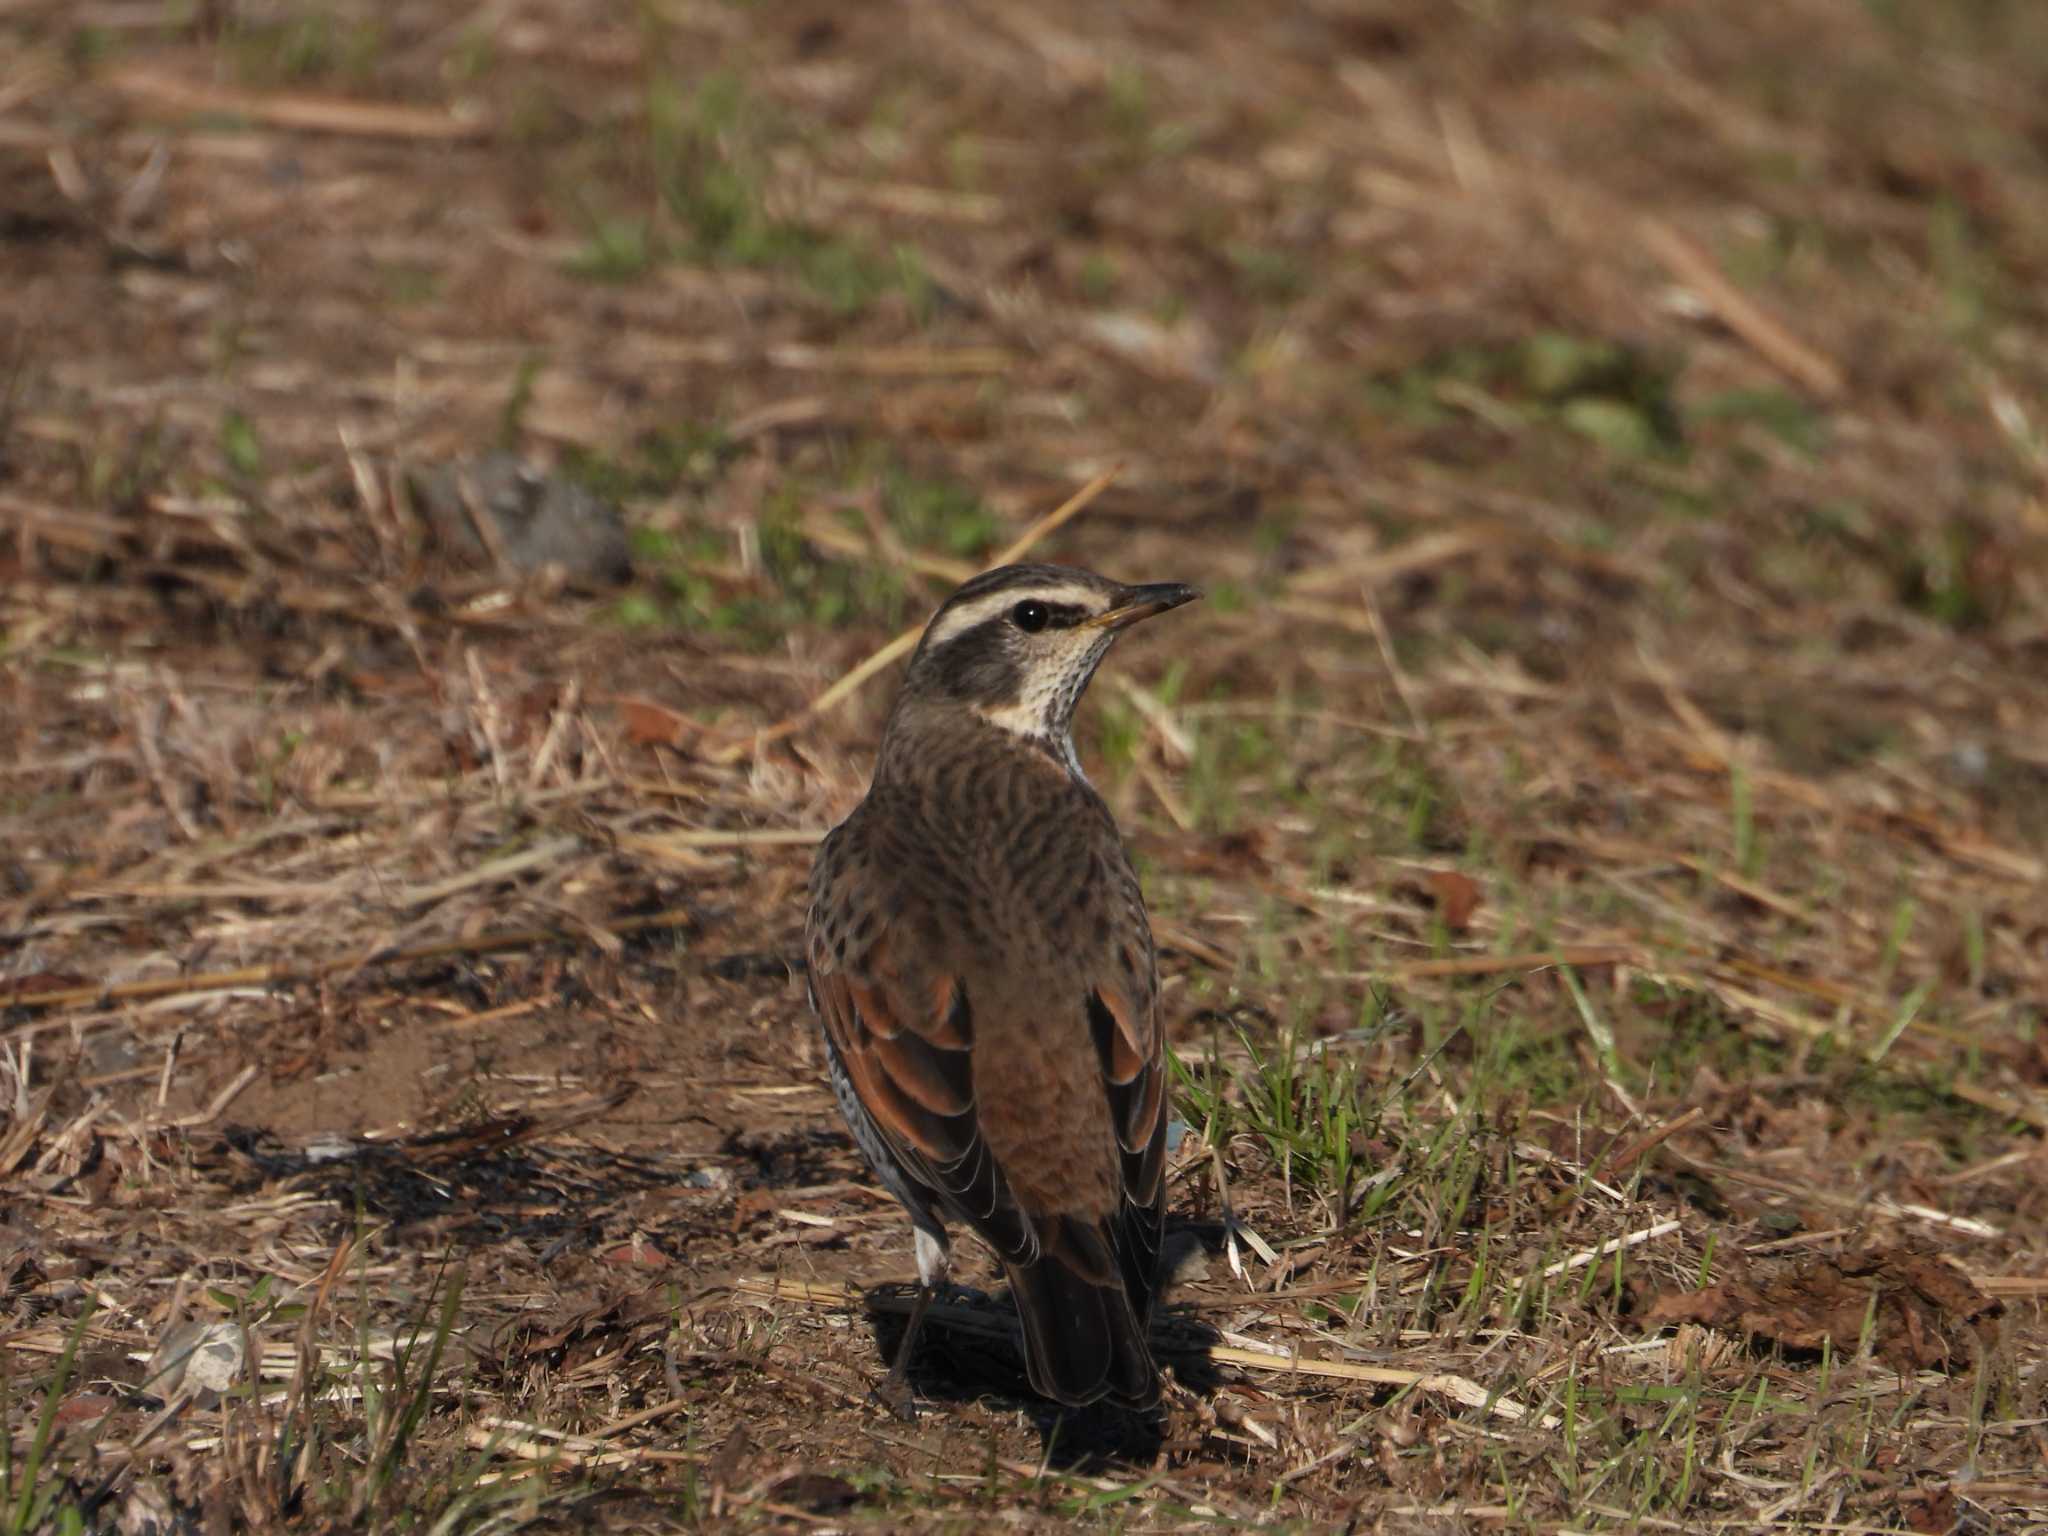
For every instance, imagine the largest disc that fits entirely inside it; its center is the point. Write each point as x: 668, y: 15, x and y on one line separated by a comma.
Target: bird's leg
x: 895, y: 1390
x: 931, y: 1274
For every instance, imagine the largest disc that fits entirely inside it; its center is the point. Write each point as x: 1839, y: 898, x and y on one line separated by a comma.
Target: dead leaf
x: 576, y: 1318
x: 820, y: 1493
x: 1932, y: 1510
x: 1456, y: 896
x: 654, y: 725
x: 84, y: 1407
x: 1922, y: 1313
x: 752, y: 1206
x: 637, y: 1254
x: 719, y: 1470
x: 1231, y: 855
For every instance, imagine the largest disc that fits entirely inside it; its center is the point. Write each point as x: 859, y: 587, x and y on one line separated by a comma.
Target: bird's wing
x: 1124, y: 1017
x: 907, y: 1040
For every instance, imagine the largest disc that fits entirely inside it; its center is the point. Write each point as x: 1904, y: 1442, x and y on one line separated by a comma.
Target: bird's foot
x: 894, y: 1393
x: 894, y: 1396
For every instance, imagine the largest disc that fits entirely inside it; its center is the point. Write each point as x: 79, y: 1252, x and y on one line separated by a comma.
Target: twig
x: 1172, y: 935
x: 163, y: 1087
x: 219, y: 1102
x: 153, y: 761
x: 297, y: 109
x: 487, y: 874
x: 2011, y: 1285
x: 1162, y: 791
x: 1417, y: 554
x: 1629, y: 1155
x: 1386, y: 645
x: 892, y: 362
x: 550, y: 744
x: 1773, y: 341
x: 821, y: 531
x: 1612, y: 1245
x: 2032, y: 1113
x: 758, y: 837
x: 484, y: 524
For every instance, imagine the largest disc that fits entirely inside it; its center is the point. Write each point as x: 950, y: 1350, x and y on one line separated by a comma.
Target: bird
x: 983, y: 969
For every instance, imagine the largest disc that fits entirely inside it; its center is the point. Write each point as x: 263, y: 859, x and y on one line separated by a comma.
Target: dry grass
x: 1596, y: 823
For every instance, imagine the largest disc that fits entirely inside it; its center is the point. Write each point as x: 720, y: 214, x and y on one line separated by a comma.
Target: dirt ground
x: 1597, y: 823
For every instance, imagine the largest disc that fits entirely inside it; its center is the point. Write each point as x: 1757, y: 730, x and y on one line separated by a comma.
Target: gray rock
x: 531, y: 519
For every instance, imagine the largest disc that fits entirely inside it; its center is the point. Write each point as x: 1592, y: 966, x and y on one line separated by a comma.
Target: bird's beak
x: 1135, y: 603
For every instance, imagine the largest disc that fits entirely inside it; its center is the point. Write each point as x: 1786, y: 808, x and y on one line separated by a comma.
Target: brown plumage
x: 983, y: 968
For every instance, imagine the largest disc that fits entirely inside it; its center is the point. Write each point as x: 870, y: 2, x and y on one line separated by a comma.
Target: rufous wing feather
x: 1134, y: 1078
x: 908, y: 1049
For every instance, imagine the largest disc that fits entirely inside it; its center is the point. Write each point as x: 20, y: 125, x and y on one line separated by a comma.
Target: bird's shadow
x: 481, y: 1185
x: 971, y: 1348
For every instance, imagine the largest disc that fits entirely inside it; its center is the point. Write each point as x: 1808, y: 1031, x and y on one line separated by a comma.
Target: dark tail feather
x: 1082, y: 1339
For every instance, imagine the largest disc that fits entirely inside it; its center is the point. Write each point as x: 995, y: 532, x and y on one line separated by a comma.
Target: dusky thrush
x: 983, y: 968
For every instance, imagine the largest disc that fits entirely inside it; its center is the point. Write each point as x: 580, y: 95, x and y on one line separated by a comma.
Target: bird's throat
x: 1028, y: 721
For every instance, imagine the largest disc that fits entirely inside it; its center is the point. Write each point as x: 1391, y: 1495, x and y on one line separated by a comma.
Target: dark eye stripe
x: 1064, y: 615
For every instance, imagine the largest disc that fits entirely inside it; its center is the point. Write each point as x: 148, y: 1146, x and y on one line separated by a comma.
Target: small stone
x: 534, y: 519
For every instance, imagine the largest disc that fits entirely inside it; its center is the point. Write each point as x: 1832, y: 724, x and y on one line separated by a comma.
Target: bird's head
x: 1017, y: 646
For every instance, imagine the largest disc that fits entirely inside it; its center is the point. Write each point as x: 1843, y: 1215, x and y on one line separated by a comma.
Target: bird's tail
x: 1083, y: 1340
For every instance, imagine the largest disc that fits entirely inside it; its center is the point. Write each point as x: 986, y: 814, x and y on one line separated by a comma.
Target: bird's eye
x: 1030, y: 616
